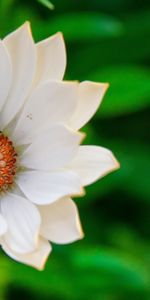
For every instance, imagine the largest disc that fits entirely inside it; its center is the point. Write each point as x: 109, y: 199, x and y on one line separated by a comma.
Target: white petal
x: 92, y: 163
x: 90, y: 97
x: 51, y: 102
x: 51, y: 59
x: 5, y: 73
x: 60, y: 222
x: 23, y: 221
x: 3, y: 225
x: 44, y: 188
x: 52, y: 149
x: 21, y: 49
x: 36, y: 259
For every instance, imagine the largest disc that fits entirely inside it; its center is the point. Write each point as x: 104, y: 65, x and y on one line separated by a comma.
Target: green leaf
x: 129, y: 89
x: 116, y: 268
x: 131, y: 46
x: 4, y: 276
x: 47, y: 4
x: 137, y: 159
x: 5, y: 5
x: 83, y: 26
x: 95, y: 270
x: 133, y: 175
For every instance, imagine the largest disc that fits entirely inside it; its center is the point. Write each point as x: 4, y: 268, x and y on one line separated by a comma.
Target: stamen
x: 2, y: 164
x: 8, y: 157
x: 1, y: 156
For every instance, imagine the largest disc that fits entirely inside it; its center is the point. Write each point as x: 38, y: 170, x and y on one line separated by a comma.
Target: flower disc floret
x: 8, y: 162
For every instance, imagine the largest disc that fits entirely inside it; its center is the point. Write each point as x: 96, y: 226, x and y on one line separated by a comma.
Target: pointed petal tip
x: 103, y: 86
x: 96, y: 84
x: 91, y: 95
x: 92, y: 163
x: 82, y: 136
x: 25, y: 26
x: 28, y: 26
x: 43, y: 262
x: 59, y: 34
x: 106, y: 86
x: 81, y: 193
x: 52, y: 57
x: 68, y: 82
x: 116, y: 162
x: 36, y: 259
x: 81, y: 233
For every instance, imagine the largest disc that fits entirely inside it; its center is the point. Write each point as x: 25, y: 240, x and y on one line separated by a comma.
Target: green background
x: 107, y: 41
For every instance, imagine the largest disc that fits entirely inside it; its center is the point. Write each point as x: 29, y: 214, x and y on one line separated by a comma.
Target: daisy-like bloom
x: 42, y: 164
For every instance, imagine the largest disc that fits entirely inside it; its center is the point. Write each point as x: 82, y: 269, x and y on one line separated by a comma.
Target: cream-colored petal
x: 51, y: 59
x: 22, y: 53
x: 52, y: 102
x: 92, y: 163
x: 5, y: 74
x: 36, y: 259
x: 90, y: 97
x: 60, y: 222
x: 23, y: 221
x: 3, y: 225
x: 45, y: 187
x: 52, y: 150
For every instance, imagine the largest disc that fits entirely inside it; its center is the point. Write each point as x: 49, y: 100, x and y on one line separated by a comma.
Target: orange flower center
x: 8, y: 158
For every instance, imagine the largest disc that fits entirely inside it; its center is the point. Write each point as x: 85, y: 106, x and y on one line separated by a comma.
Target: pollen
x: 8, y: 160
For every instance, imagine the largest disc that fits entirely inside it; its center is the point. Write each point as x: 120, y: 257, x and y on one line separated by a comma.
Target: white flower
x: 41, y: 161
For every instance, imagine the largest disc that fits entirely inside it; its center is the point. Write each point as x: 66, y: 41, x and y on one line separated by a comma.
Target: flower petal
x: 3, y: 225
x: 5, y: 73
x: 92, y: 163
x: 21, y: 49
x: 35, y: 259
x: 90, y: 97
x: 60, y: 222
x: 23, y: 221
x: 51, y: 59
x: 52, y: 149
x: 44, y: 187
x: 56, y: 101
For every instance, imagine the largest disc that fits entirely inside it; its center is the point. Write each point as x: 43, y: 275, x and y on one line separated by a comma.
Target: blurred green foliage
x: 46, y: 3
x: 107, y: 41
